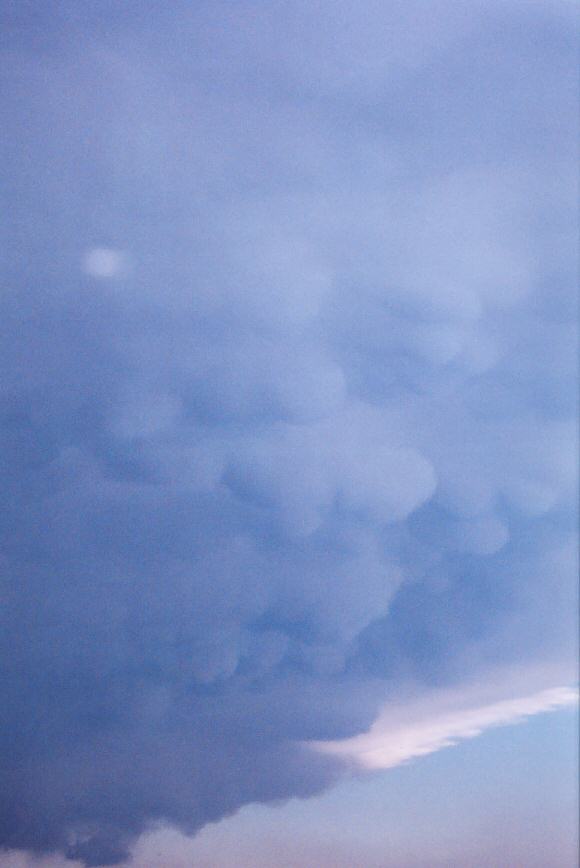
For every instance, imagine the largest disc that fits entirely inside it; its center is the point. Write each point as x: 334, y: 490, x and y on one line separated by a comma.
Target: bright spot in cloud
x: 104, y: 262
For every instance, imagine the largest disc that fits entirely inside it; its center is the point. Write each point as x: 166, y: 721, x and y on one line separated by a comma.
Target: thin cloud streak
x: 406, y: 733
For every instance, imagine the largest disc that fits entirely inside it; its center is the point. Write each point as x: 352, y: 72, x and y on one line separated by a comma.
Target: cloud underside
x: 287, y: 405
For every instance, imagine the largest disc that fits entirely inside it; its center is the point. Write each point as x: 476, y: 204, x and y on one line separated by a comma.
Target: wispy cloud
x: 405, y: 732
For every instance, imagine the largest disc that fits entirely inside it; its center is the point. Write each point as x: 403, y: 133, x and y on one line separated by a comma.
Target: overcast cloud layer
x: 288, y: 389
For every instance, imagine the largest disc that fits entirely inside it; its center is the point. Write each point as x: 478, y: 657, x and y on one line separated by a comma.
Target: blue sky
x: 288, y: 424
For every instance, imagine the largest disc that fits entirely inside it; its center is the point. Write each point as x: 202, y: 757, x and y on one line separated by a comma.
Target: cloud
x: 287, y: 417
x: 405, y: 732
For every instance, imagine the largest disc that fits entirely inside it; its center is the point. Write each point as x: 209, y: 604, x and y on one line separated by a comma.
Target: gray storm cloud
x: 287, y: 402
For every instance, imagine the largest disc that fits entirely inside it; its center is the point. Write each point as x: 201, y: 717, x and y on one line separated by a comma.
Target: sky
x: 288, y: 434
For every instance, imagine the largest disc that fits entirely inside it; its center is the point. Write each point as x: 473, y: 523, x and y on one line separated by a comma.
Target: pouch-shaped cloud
x: 287, y: 402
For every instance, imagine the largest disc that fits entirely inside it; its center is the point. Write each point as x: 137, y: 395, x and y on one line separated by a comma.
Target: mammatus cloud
x: 287, y: 406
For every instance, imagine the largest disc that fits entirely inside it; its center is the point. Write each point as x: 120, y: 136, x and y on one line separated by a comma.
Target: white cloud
x: 423, y: 726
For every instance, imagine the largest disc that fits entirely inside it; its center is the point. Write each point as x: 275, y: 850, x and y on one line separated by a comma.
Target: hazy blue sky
x: 288, y: 433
